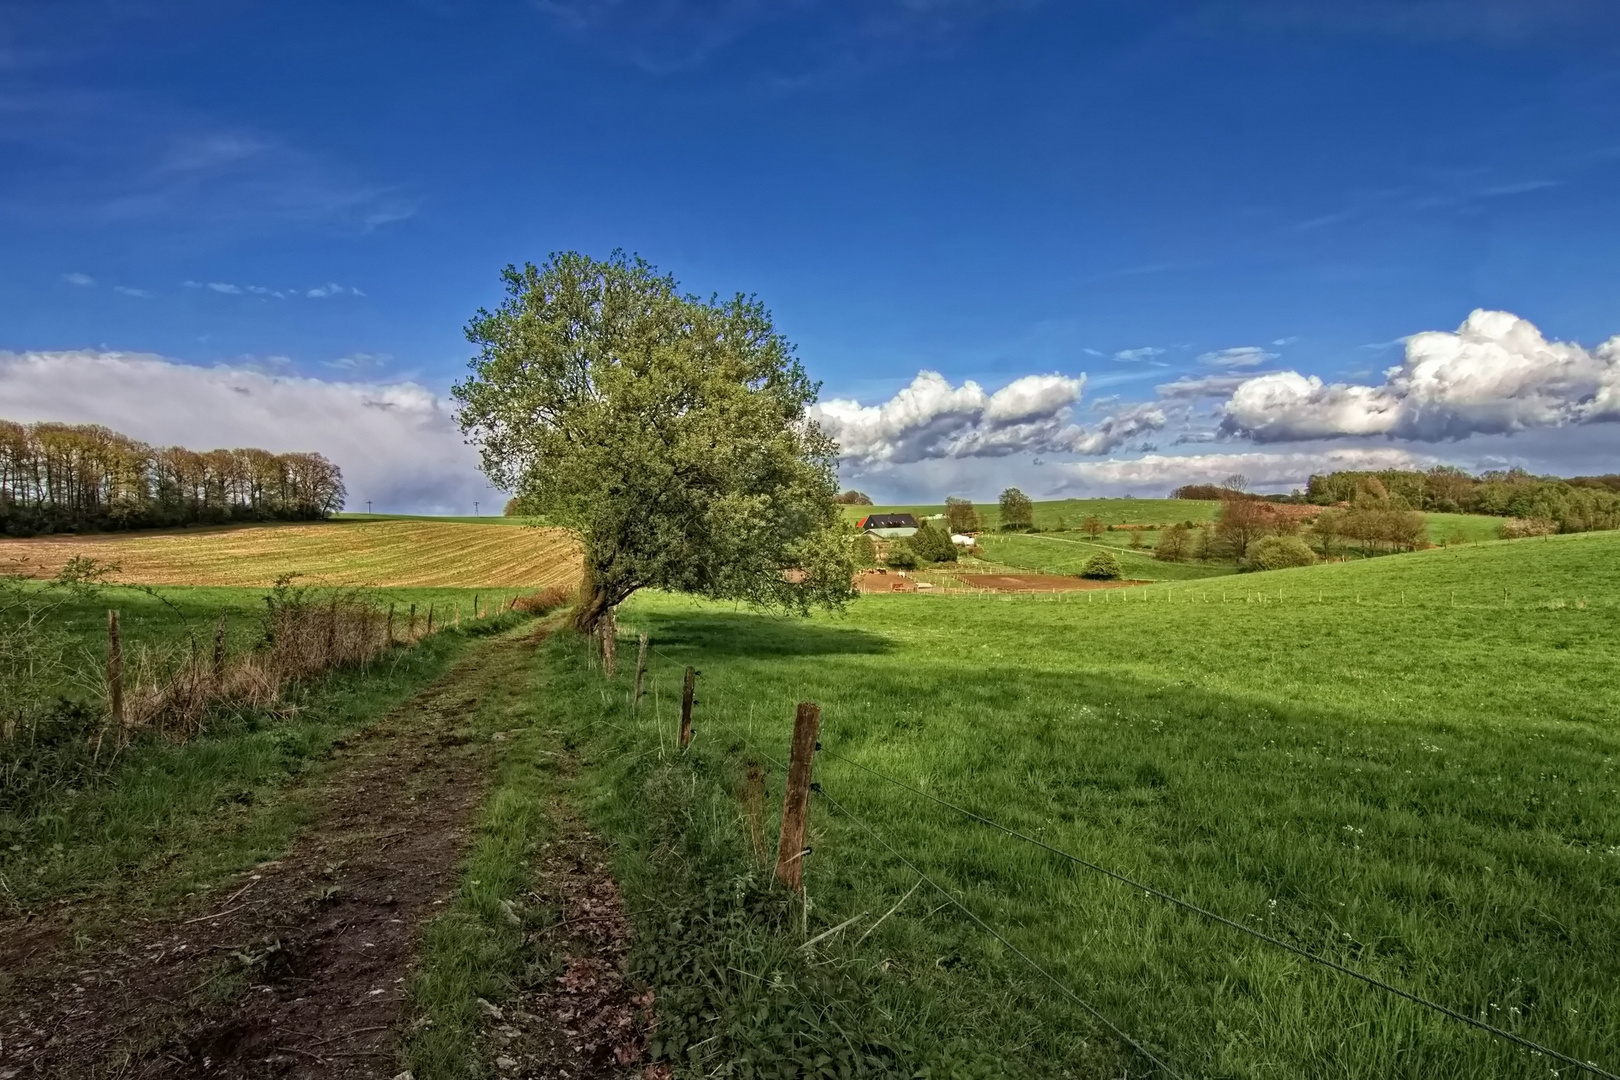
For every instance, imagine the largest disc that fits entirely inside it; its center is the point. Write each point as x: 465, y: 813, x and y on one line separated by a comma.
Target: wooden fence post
x: 641, y: 666
x: 219, y: 651
x: 475, y: 605
x: 687, y: 687
x: 410, y: 633
x: 609, y: 629
x: 430, y: 619
x: 790, y: 852
x: 115, y: 675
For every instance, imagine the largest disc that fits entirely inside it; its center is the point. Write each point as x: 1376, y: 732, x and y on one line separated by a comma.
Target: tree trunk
x: 595, y: 601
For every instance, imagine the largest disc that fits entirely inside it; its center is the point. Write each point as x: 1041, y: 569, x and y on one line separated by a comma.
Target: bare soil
x: 299, y: 968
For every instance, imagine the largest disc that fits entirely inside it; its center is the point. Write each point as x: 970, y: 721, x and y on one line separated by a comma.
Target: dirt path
x: 300, y: 969
x: 589, y: 1021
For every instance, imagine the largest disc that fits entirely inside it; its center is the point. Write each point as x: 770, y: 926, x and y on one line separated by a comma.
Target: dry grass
x: 171, y: 691
x: 422, y: 554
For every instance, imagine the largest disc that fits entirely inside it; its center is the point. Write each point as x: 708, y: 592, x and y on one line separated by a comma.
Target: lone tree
x: 1017, y: 512
x: 960, y: 517
x: 671, y: 433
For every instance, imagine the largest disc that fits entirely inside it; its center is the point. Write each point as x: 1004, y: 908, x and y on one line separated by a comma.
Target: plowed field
x: 423, y: 554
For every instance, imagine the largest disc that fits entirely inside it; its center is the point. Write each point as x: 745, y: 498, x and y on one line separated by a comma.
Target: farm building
x: 888, y: 526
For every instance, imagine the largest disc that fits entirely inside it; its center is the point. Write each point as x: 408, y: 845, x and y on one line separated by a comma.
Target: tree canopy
x: 672, y: 433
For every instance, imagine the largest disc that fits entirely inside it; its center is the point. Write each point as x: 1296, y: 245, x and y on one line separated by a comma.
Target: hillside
x: 1403, y: 764
x: 1069, y: 513
x: 421, y: 553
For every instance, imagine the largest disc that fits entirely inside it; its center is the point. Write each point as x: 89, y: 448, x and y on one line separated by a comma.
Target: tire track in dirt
x: 301, y: 969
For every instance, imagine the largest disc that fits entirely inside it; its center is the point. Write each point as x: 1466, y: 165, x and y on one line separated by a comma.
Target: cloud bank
x: 1496, y: 375
x: 397, y: 443
x: 930, y: 419
x: 1161, y: 472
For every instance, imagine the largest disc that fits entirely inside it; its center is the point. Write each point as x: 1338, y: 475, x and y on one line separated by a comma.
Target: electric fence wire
x: 1343, y: 969
x: 1372, y: 980
x: 952, y: 899
x: 1015, y: 950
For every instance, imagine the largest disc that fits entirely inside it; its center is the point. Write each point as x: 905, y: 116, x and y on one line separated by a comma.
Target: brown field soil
x: 419, y: 554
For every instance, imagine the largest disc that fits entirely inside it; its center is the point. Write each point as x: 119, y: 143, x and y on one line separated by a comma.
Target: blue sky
x: 1116, y: 197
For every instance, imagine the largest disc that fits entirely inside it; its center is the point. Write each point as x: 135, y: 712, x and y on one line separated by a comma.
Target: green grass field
x: 1069, y: 513
x: 1405, y: 764
x: 1066, y: 553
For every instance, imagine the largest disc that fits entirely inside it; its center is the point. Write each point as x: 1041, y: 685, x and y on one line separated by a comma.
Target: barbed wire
x: 1343, y: 969
x: 987, y: 928
x: 1188, y: 905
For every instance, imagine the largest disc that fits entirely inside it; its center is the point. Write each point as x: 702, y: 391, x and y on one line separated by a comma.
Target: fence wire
x: 1371, y: 980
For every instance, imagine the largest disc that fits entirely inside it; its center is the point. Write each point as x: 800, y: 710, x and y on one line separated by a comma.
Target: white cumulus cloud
x: 1263, y: 470
x: 931, y: 419
x: 397, y: 443
x: 77, y: 278
x: 1496, y: 374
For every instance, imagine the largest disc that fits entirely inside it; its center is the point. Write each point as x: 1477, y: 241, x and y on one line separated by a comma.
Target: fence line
x: 1371, y: 980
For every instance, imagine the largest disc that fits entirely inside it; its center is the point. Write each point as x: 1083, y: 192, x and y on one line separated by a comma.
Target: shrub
x: 901, y: 557
x: 1279, y: 553
x: 1174, y: 544
x: 1518, y: 528
x: 932, y: 544
x: 1102, y: 567
x: 865, y: 551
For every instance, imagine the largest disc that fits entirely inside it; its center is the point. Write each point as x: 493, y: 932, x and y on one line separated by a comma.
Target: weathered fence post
x: 410, y: 632
x: 641, y: 666
x: 475, y: 606
x: 791, y: 851
x: 430, y: 619
x: 609, y: 627
x: 686, y: 706
x: 219, y: 651
x: 115, y: 675
x: 390, y: 624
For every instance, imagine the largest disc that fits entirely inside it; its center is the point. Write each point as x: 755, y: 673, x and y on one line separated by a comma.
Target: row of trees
x: 1580, y: 504
x: 1374, y: 523
x: 74, y: 477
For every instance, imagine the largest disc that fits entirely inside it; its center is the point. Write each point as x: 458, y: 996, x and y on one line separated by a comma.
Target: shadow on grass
x: 751, y: 635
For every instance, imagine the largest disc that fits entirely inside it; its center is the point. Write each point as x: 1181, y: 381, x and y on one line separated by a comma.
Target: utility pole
x: 368, y: 506
x: 475, y: 508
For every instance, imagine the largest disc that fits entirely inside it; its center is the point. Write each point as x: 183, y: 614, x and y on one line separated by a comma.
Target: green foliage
x: 1017, y: 511
x: 670, y: 432
x: 931, y: 544
x: 863, y: 551
x: 74, y: 477
x: 960, y: 517
x: 1175, y: 544
x: 1101, y: 566
x: 901, y: 556
x: 1580, y: 505
x: 1279, y: 553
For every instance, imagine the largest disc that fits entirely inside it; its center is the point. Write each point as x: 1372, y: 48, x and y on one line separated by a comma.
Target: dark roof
x: 888, y: 521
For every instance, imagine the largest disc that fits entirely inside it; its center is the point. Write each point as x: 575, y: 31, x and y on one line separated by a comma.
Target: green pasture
x: 1405, y: 764
x: 1069, y: 513
x: 1066, y: 553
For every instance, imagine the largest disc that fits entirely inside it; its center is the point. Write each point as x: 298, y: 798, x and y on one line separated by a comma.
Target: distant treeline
x: 84, y: 477
x: 1577, y: 504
